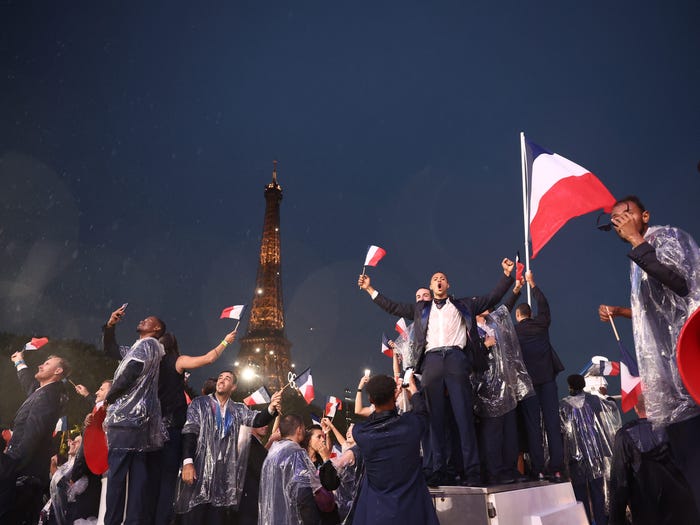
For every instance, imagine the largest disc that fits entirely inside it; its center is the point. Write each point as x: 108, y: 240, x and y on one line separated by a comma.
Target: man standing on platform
x: 665, y: 278
x: 543, y: 365
x: 445, y: 331
x: 212, y: 475
x: 133, y: 424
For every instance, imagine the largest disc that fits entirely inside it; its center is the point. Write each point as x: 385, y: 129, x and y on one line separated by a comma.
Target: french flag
x: 333, y: 404
x: 315, y: 420
x: 233, y: 312
x: 36, y: 343
x: 374, y: 255
x: 386, y: 349
x: 401, y: 327
x: 305, y: 385
x: 559, y: 190
x: 259, y: 397
x: 61, y: 425
x: 519, y: 267
x: 609, y: 368
x: 336, y: 451
x: 630, y: 382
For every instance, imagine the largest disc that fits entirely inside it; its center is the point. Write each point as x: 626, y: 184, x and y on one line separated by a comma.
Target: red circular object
x: 688, y: 355
x: 95, y: 443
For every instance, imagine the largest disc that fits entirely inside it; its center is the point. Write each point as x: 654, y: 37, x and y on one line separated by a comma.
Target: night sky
x: 136, y: 139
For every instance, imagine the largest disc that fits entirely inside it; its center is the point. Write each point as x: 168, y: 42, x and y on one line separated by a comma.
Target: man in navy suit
x: 393, y: 489
x: 543, y: 365
x: 445, y: 330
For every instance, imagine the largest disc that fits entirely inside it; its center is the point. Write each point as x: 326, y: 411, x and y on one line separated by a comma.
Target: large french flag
x: 559, y: 190
x: 259, y: 397
x: 36, y: 343
x: 630, y: 382
x: 374, y: 255
x: 305, y: 385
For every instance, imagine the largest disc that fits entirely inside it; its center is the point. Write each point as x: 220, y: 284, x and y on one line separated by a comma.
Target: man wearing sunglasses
x: 665, y: 291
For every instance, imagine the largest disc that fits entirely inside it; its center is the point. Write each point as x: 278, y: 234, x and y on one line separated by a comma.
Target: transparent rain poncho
x: 350, y: 475
x: 658, y: 315
x: 407, y: 348
x: 287, y: 482
x: 220, y: 458
x: 506, y: 380
x: 586, y: 441
x: 139, y: 408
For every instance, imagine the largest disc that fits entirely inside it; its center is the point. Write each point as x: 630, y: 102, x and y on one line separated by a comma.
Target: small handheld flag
x: 386, y: 348
x: 630, y: 382
x: 36, y: 343
x: 333, y: 404
x: 259, y: 397
x: 519, y: 267
x: 401, y: 327
x: 305, y: 385
x: 233, y: 312
x: 374, y: 255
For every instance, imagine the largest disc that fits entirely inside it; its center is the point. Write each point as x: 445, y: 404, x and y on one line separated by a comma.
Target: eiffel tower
x: 265, y: 348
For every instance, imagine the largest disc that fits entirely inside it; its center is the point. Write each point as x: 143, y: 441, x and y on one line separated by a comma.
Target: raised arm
x: 406, y: 310
x: 543, y: 314
x: 109, y: 337
x: 359, y: 409
x: 487, y: 302
x: 187, y: 362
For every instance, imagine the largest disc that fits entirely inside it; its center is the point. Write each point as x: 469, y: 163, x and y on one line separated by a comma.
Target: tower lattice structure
x: 265, y: 347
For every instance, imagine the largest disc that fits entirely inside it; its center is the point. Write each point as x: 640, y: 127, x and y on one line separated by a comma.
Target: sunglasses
x: 603, y: 223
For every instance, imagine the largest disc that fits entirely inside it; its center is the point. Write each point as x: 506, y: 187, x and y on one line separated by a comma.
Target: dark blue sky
x: 136, y: 140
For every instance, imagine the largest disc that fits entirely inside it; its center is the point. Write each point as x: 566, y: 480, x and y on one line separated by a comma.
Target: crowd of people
x: 473, y: 401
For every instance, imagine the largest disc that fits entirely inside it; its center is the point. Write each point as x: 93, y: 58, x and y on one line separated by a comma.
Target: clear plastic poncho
x: 586, y: 441
x: 220, y: 458
x: 407, y: 348
x: 287, y: 477
x: 350, y: 476
x: 658, y: 315
x: 139, y: 407
x: 506, y: 380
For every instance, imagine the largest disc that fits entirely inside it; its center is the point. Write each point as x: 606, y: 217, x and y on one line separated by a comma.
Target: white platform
x: 533, y: 503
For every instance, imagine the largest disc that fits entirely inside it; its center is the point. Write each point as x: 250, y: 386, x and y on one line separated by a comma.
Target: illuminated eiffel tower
x: 265, y: 348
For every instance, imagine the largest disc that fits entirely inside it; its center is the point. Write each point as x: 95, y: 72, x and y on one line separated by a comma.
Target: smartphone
x: 366, y: 372
x: 407, y: 377
x: 124, y: 306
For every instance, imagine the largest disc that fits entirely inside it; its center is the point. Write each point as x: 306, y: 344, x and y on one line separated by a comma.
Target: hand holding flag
x: 259, y: 397
x: 630, y: 382
x: 387, y: 350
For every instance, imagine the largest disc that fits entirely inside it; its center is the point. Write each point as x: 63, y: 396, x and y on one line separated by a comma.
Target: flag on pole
x: 315, y: 420
x: 333, y: 404
x: 61, y: 425
x: 305, y: 385
x: 259, y: 397
x: 401, y: 327
x: 36, y: 343
x: 233, y: 312
x: 386, y: 349
x: 630, y: 382
x: 374, y: 255
x: 519, y: 267
x: 609, y: 368
x: 559, y: 190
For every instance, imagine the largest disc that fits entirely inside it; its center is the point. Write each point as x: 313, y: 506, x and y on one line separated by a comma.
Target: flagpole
x: 364, y: 269
x: 238, y: 321
x: 526, y: 220
x: 612, y: 323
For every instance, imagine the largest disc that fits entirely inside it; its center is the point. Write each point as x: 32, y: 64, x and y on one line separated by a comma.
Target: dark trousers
x: 22, y: 503
x: 683, y: 440
x: 498, y: 444
x: 543, y: 407
x: 209, y: 515
x: 163, y: 468
x: 595, y: 507
x: 449, y: 369
x: 125, y: 464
